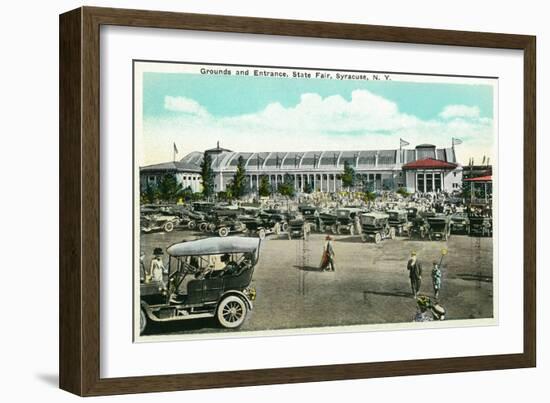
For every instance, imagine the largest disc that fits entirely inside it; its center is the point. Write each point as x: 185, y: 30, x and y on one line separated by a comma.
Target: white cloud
x: 184, y: 105
x: 364, y: 113
x: 460, y: 111
x: 366, y: 121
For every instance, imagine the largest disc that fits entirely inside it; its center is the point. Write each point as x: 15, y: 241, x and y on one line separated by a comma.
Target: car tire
x: 168, y: 226
x: 192, y: 224
x: 377, y: 238
x: 223, y: 231
x: 284, y: 227
x: 392, y: 233
x: 211, y: 227
x: 334, y: 229
x: 142, y: 321
x: 203, y: 226
x: 261, y: 234
x: 231, y: 312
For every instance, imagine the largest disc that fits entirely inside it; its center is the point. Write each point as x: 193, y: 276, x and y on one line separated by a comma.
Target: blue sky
x: 226, y: 96
x: 267, y: 114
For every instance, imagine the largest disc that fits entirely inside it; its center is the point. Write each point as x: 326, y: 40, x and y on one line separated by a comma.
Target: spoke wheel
x: 223, y: 231
x: 142, y: 321
x: 169, y: 226
x: 232, y: 312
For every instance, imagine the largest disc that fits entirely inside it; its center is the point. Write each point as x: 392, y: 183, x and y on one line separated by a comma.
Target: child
x: 436, y: 279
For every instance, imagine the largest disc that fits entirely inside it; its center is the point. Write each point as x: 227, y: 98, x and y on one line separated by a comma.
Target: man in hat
x: 157, y: 266
x: 327, y: 262
x: 415, y: 273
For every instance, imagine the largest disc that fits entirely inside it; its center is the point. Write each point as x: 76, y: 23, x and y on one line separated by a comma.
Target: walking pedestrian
x: 415, y: 273
x: 357, y: 225
x: 157, y: 266
x: 142, y: 272
x: 327, y: 261
x: 436, y: 279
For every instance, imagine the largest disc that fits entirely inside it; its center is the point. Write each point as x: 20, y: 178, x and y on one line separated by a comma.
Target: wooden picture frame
x: 80, y: 199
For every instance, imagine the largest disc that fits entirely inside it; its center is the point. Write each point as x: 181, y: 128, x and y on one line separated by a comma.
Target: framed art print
x: 237, y: 193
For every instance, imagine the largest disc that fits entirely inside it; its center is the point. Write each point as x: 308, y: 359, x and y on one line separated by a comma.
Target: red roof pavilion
x: 429, y: 163
x: 487, y: 178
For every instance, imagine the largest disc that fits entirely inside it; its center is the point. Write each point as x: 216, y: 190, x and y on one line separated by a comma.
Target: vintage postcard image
x: 282, y: 200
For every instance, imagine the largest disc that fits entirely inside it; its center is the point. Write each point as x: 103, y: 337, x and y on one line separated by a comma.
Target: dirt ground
x: 370, y: 284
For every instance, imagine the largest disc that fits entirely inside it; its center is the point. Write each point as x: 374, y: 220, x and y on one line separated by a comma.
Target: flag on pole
x: 456, y: 141
x: 176, y: 149
x: 403, y: 143
x: 483, y: 162
x: 488, y: 158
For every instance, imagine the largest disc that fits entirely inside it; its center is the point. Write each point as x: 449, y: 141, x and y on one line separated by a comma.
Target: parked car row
x: 298, y: 221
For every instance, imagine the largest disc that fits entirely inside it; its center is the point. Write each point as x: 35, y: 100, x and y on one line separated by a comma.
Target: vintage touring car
x: 460, y: 224
x: 398, y: 220
x: 345, y: 220
x: 481, y: 226
x: 298, y: 227
x: 207, y: 278
x: 439, y: 227
x: 375, y: 226
x: 154, y: 218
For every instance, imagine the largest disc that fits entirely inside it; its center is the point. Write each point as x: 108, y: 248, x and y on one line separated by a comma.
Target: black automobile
x: 398, y: 219
x: 158, y: 218
x: 412, y: 213
x: 481, y: 226
x: 376, y: 227
x: 345, y: 220
x: 419, y: 227
x: 272, y: 216
x: 328, y: 219
x: 460, y: 224
x: 195, y: 288
x: 439, y: 227
x: 312, y: 215
x: 298, y: 227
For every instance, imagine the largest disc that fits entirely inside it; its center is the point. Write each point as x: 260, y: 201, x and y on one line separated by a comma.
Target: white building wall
x: 410, y: 181
x: 453, y: 180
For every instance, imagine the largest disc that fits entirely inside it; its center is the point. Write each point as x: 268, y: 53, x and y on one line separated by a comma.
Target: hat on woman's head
x: 157, y: 251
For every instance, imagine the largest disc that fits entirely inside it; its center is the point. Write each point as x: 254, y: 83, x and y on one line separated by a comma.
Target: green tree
x: 265, y: 188
x: 287, y: 187
x: 187, y: 194
x: 466, y: 189
x: 403, y: 192
x: 238, y: 184
x: 150, y: 194
x: 370, y: 196
x: 169, y: 188
x: 308, y: 188
x: 348, y: 177
x: 207, y: 176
